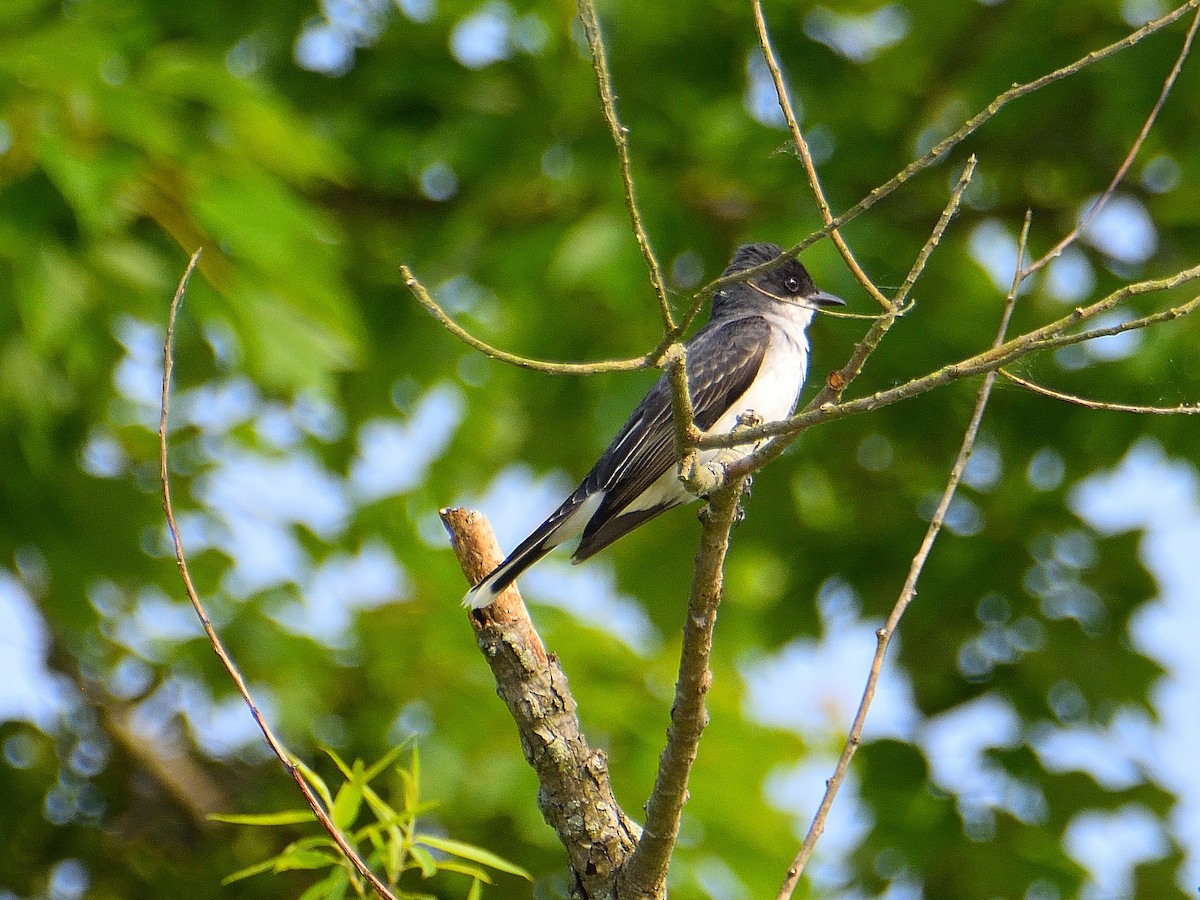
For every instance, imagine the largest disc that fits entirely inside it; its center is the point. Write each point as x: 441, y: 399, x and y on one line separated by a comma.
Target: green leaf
x: 461, y: 868
x: 317, y: 782
x: 305, y: 859
x: 425, y: 860
x: 396, y: 851
x: 473, y: 853
x: 347, y: 804
x: 332, y: 888
x: 381, y: 810
x: 338, y: 761
x: 284, y: 817
x: 386, y: 760
x: 256, y: 869
x: 476, y: 890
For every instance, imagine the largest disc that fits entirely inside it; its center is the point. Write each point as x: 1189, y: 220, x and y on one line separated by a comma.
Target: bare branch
x: 810, y: 169
x: 591, y: 26
x: 1184, y: 409
x: 537, y: 365
x: 941, y: 148
x: 277, y: 747
x: 1083, y: 223
x: 837, y: 383
x: 574, y: 794
x: 646, y: 871
x: 1048, y: 337
x: 907, y: 593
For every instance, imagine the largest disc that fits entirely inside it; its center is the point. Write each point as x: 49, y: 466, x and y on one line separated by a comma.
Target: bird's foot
x: 747, y: 419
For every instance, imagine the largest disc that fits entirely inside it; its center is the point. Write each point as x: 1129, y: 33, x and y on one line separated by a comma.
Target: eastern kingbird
x: 749, y: 358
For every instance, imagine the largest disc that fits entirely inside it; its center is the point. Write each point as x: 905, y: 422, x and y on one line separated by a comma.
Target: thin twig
x: 1184, y: 409
x: 1083, y: 223
x: 810, y: 168
x: 275, y: 744
x: 646, y: 870
x: 1048, y: 337
x: 837, y: 383
x: 884, y: 635
x: 537, y: 365
x: 683, y: 416
x: 939, y: 150
x: 620, y: 134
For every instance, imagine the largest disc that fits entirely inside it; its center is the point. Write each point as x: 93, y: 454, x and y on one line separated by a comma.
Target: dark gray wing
x: 722, y: 362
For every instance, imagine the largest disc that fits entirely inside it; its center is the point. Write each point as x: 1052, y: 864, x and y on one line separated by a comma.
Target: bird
x: 748, y: 361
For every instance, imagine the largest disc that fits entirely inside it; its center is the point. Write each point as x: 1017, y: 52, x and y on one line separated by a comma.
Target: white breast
x: 773, y: 394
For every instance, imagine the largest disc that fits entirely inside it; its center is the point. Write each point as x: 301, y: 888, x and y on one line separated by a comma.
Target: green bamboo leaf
x: 425, y: 860
x: 305, y: 859
x: 317, y: 782
x: 473, y: 853
x: 284, y: 817
x: 347, y: 804
x: 265, y: 866
x: 476, y: 891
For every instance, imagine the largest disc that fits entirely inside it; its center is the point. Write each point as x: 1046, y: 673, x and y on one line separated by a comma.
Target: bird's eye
x: 792, y: 284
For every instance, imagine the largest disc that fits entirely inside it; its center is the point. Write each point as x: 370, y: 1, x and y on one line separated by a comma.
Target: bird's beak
x: 823, y: 299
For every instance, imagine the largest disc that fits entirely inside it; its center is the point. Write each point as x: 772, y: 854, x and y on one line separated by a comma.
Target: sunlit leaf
x: 472, y: 853
x: 284, y: 817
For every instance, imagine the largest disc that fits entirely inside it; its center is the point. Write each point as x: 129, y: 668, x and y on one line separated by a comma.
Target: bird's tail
x: 565, y: 523
x: 486, y: 592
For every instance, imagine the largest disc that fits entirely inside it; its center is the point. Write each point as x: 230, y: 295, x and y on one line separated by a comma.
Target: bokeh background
x: 1037, y: 728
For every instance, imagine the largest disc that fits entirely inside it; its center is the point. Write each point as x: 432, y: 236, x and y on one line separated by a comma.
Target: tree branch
x: 277, y: 747
x: 907, y: 593
x: 574, y: 794
x: 537, y: 365
x: 620, y: 134
x: 837, y: 383
x: 1083, y: 223
x: 1184, y: 409
x: 810, y: 168
x: 645, y: 873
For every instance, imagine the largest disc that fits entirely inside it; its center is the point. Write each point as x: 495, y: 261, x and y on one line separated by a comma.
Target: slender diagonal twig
x: 620, y: 134
x: 218, y: 647
x: 810, y: 168
x: 884, y: 635
x: 838, y: 381
x: 1048, y: 337
x: 537, y: 365
x: 940, y: 149
x: 1091, y: 214
x: 1184, y: 409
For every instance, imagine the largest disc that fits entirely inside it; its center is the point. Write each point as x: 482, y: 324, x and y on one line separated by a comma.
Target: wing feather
x: 723, y: 360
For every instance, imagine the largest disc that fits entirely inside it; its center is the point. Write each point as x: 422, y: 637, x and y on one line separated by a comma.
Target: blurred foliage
x: 132, y: 133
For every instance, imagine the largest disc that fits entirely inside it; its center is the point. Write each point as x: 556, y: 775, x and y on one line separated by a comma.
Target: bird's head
x: 786, y: 283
